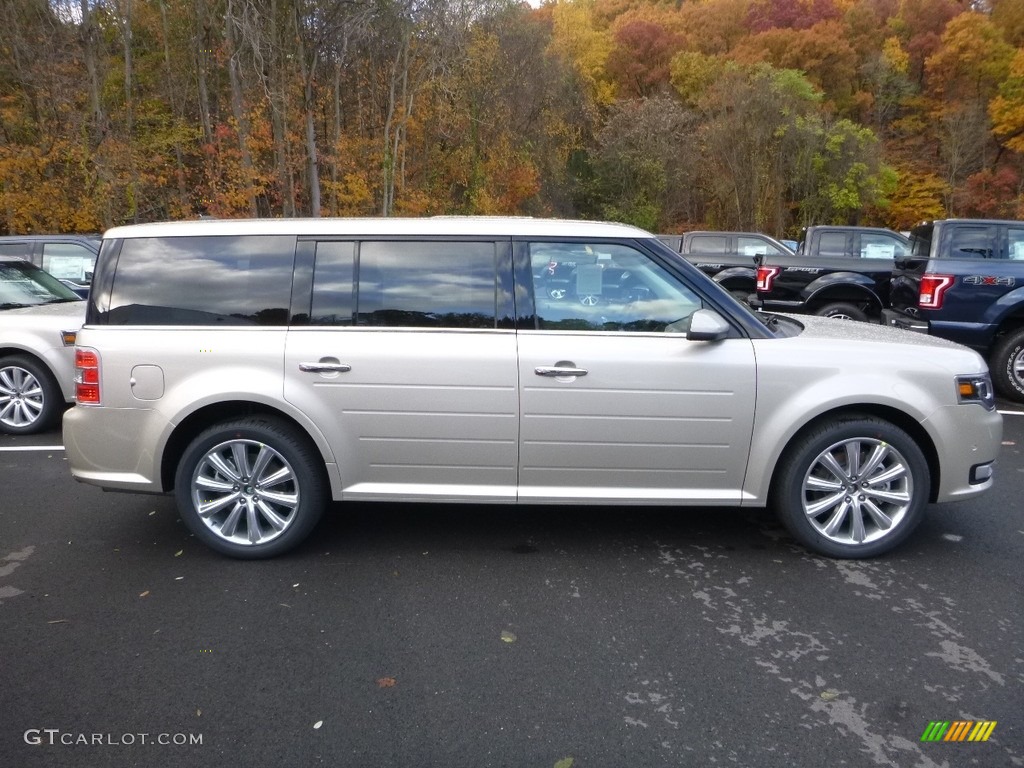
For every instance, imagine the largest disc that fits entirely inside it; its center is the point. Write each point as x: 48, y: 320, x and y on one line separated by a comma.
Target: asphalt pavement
x: 546, y: 637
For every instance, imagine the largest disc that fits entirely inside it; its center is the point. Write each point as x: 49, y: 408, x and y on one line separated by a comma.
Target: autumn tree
x: 840, y: 174
x: 963, y: 75
x: 751, y: 135
x: 646, y: 164
x: 639, y: 61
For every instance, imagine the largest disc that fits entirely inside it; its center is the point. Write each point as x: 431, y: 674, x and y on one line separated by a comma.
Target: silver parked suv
x: 39, y: 317
x: 259, y: 369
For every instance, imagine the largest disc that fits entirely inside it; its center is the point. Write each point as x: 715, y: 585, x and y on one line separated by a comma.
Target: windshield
x: 25, y: 285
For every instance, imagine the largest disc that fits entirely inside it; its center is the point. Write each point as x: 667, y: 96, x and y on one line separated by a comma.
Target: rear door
x: 617, y: 405
x: 406, y: 361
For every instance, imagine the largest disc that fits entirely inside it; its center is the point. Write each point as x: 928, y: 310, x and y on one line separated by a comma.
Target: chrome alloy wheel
x: 21, y: 397
x: 857, y: 491
x: 245, y: 492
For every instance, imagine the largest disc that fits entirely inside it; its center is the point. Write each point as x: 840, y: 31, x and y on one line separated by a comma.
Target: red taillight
x: 87, y: 376
x: 766, y: 276
x: 933, y: 290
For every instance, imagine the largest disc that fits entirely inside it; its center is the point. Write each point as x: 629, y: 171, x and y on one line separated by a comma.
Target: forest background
x: 761, y: 115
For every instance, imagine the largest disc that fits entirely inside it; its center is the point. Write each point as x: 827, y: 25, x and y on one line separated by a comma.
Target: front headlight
x: 976, y: 388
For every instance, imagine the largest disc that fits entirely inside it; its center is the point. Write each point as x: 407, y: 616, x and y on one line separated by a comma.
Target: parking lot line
x: 35, y: 448
x: 1012, y: 413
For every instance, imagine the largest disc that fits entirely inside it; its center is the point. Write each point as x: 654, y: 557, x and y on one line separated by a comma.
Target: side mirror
x: 707, y: 325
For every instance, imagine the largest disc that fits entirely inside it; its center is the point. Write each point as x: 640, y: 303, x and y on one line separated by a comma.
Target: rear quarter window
x: 202, y: 281
x: 709, y: 244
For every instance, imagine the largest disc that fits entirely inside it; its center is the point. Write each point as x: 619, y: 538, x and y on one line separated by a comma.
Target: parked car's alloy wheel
x: 852, y: 488
x: 251, y: 488
x: 1007, y: 366
x: 30, y: 399
x: 841, y: 310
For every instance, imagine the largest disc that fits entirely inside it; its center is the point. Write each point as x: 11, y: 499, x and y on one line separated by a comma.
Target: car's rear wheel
x: 852, y: 488
x: 251, y: 488
x: 1007, y: 365
x: 30, y: 399
x: 841, y: 310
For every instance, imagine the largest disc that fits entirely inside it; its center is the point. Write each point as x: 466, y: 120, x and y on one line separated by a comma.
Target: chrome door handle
x: 558, y: 370
x: 324, y: 367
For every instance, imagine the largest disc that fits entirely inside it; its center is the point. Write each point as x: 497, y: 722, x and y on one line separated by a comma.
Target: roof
x: 432, y: 226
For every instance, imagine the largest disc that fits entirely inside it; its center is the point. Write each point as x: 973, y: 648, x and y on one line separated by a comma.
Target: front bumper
x: 967, y: 462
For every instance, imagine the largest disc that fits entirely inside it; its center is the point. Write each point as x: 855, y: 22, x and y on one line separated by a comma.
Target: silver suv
x: 39, y: 317
x: 260, y: 369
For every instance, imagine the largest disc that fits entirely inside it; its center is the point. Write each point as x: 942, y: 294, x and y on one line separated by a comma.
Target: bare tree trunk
x: 88, y: 36
x: 238, y: 109
x: 308, y: 72
x: 123, y: 14
x: 202, y: 45
x: 179, y: 163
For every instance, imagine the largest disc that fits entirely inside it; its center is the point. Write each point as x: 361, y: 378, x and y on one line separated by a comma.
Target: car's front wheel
x: 251, y: 488
x: 30, y: 400
x: 852, y: 488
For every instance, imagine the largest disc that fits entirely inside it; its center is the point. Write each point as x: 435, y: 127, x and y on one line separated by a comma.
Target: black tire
x: 264, y: 508
x: 842, y: 311
x: 30, y: 398
x: 1007, y: 365
x: 807, y: 495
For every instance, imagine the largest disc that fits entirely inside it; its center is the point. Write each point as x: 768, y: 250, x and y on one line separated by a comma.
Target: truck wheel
x: 1007, y: 365
x: 250, y: 488
x: 30, y: 399
x: 840, y: 310
x: 852, y: 488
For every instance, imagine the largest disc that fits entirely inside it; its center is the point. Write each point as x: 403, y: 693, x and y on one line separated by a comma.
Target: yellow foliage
x: 52, y: 190
x: 919, y: 196
x: 894, y: 56
x: 1007, y: 109
x: 575, y: 34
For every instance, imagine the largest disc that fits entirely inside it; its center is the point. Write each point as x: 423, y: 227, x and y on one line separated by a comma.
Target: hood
x: 852, y: 330
x: 25, y: 315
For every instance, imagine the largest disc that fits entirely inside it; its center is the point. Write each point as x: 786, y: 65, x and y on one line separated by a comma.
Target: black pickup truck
x: 837, y: 271
x: 728, y: 258
x: 963, y: 280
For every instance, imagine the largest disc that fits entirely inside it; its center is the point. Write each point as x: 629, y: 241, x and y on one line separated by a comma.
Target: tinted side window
x: 333, y: 284
x: 921, y: 241
x: 607, y: 287
x: 972, y: 242
x: 427, y: 284
x: 832, y: 244
x: 203, y: 281
x: 21, y: 250
x: 709, y: 244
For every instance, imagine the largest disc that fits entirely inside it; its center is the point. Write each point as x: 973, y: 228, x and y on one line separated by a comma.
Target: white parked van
x: 260, y: 369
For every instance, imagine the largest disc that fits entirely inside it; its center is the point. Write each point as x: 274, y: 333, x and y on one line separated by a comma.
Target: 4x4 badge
x: 988, y: 280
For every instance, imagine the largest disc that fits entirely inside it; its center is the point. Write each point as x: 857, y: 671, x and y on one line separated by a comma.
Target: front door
x: 616, y: 404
